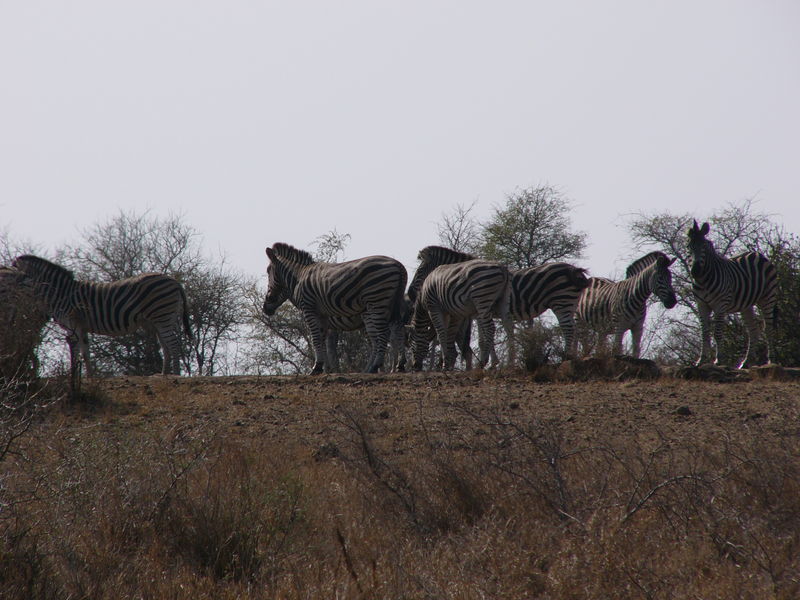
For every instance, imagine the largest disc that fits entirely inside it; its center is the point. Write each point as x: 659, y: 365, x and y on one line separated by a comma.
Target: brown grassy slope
x: 409, y: 486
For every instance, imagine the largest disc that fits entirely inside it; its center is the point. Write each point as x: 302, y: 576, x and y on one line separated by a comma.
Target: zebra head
x: 284, y: 262
x: 662, y: 281
x: 700, y: 248
x: 52, y: 283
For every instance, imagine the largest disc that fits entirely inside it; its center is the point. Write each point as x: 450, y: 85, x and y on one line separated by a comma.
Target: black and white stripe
x: 152, y: 301
x: 554, y: 286
x: 617, y: 306
x: 449, y: 288
x: 367, y: 291
x: 722, y: 286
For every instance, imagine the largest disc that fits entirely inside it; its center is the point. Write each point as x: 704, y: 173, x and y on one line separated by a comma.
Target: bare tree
x: 459, y: 230
x: 129, y: 244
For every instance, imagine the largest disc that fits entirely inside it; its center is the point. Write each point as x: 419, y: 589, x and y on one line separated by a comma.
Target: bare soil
x: 405, y: 408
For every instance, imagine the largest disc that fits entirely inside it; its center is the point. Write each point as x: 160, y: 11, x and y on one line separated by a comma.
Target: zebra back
x: 338, y: 290
x: 640, y: 264
x: 466, y: 288
x: 429, y: 258
x: 551, y: 286
x: 108, y: 308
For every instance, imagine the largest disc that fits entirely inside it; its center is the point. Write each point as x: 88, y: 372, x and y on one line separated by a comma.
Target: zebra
x: 723, y: 286
x: 364, y: 292
x: 152, y: 301
x: 617, y: 306
x: 22, y: 318
x: 451, y: 287
x: 554, y: 286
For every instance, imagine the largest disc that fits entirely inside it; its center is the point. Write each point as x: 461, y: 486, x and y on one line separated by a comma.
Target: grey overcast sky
x: 279, y: 121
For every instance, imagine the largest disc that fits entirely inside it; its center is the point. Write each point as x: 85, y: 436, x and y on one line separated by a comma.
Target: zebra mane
x: 442, y: 256
x: 292, y: 254
x: 39, y: 265
x: 640, y: 264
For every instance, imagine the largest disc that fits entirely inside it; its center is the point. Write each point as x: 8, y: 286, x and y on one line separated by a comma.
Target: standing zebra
x: 725, y: 286
x: 554, y: 286
x: 449, y: 288
x: 151, y: 301
x: 367, y: 291
x: 616, y: 306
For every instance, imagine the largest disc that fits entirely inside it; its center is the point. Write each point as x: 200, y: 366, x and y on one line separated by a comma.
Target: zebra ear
x: 704, y: 229
x: 270, y: 253
x: 694, y: 226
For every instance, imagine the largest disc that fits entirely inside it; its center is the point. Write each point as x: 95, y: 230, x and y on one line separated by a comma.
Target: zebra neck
x: 290, y: 273
x: 642, y: 286
x: 712, y: 265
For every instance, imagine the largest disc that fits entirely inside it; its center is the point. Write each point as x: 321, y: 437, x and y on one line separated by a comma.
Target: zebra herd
x: 448, y: 291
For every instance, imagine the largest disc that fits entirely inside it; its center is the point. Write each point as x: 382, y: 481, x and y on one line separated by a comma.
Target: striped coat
x: 152, y: 301
x: 554, y: 286
x: 723, y: 286
x: 367, y: 291
x: 449, y: 288
x: 617, y: 306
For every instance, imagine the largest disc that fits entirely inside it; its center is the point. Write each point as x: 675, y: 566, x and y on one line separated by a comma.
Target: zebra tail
x: 398, y: 307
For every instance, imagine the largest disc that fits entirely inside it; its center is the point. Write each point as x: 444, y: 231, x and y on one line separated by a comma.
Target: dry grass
x: 470, y: 486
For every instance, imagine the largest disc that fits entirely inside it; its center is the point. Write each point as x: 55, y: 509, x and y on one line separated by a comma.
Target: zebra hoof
x: 318, y: 369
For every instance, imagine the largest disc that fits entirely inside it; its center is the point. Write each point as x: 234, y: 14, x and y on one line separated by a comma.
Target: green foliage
x: 532, y: 227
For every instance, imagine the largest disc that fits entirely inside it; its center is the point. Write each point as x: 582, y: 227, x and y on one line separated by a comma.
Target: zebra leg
x: 508, y: 326
x: 755, y: 329
x: 74, y: 355
x: 616, y: 349
x: 332, y: 343
x: 169, y: 339
x: 769, y: 318
x: 463, y: 336
x: 636, y: 338
x: 83, y: 346
x: 704, y: 311
x: 317, y: 339
x: 441, y: 323
x: 377, y: 326
x: 719, y: 329
x: 486, y: 330
x: 566, y: 321
x: 397, y: 343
